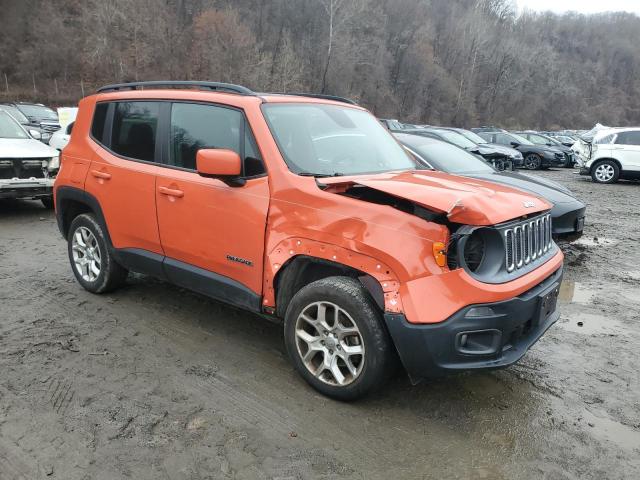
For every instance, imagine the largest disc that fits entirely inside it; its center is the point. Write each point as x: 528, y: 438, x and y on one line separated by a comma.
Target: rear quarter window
x: 99, y: 122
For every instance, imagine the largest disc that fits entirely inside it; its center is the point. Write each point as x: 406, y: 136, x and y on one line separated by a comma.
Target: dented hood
x: 463, y: 200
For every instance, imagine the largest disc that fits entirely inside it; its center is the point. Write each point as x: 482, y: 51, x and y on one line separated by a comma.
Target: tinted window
x: 628, y: 138
x: 195, y: 126
x: 134, y: 130
x: 99, y: 117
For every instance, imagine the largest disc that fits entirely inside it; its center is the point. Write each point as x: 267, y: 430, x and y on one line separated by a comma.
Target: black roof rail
x: 335, y: 98
x: 213, y: 86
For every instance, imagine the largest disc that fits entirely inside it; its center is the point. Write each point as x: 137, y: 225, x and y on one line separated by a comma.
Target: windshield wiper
x: 321, y: 175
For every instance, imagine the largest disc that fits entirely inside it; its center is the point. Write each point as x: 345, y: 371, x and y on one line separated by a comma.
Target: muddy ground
x: 153, y: 382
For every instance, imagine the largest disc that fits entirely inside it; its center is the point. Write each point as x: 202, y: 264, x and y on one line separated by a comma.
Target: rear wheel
x: 91, y: 260
x: 605, y: 171
x: 532, y: 161
x: 336, y: 338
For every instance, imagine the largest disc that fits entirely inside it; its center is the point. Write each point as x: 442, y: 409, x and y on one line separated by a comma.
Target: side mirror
x: 219, y: 163
x: 35, y: 134
x: 515, y: 144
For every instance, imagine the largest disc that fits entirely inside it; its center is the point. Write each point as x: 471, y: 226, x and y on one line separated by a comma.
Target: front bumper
x: 553, y: 161
x: 26, y: 187
x: 570, y: 223
x: 487, y: 340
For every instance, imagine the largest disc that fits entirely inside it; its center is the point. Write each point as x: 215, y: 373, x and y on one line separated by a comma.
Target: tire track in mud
x: 234, y: 401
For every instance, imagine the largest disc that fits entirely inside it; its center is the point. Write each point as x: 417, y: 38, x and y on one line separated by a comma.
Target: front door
x: 206, y: 225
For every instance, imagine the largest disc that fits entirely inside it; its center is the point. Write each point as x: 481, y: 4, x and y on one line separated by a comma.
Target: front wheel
x: 91, y: 260
x: 605, y: 171
x: 532, y: 161
x: 336, y: 338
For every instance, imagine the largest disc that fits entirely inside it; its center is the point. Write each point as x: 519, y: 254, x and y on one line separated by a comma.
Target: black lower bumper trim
x: 485, y: 336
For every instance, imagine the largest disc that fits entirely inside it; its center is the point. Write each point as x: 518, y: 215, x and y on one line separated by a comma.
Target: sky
x: 582, y: 6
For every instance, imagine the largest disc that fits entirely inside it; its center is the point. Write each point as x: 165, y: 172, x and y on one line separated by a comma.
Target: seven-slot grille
x: 527, y: 241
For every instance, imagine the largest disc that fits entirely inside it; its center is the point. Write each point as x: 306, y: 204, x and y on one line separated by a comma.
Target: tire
x: 336, y: 343
x: 532, y: 161
x: 47, y: 202
x: 91, y: 260
x: 605, y: 171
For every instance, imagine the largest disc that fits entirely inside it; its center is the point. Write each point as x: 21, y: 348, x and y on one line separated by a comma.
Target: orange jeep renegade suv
x: 304, y: 208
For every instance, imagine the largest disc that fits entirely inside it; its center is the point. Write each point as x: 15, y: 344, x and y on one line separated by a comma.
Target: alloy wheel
x: 532, y: 161
x: 329, y: 343
x: 87, y: 257
x: 604, y: 172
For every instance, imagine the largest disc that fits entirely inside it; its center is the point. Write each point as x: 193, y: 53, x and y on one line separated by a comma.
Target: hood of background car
x: 463, y: 200
x: 550, y: 191
x: 25, y: 148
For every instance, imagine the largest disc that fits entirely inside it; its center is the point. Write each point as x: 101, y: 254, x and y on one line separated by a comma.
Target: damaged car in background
x: 27, y: 166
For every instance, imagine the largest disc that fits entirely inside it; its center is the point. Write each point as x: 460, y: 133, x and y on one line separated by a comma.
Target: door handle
x: 171, y: 192
x: 102, y: 175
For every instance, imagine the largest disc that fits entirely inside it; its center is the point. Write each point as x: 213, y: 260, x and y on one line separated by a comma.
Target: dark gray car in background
x: 568, y: 213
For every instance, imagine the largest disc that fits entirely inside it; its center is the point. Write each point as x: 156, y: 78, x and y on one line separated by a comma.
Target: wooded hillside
x: 453, y: 62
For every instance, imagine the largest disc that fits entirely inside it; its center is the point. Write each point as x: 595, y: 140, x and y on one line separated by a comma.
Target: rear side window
x: 628, y: 138
x: 99, y: 120
x: 135, y: 125
x: 195, y: 126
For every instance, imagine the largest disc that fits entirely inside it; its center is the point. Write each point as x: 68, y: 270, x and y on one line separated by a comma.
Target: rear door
x: 212, y: 232
x: 122, y: 175
x: 626, y: 148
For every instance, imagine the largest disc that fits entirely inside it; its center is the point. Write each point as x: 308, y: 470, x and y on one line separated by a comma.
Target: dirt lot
x: 153, y: 382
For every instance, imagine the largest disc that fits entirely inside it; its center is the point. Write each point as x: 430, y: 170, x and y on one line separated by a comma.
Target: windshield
x: 519, y: 139
x: 456, y: 139
x: 15, y: 113
x: 449, y: 158
x: 477, y: 139
x: 38, y: 112
x: 317, y: 139
x: 9, y: 128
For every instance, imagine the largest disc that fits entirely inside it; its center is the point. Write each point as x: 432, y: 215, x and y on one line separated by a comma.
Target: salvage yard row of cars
x: 331, y: 224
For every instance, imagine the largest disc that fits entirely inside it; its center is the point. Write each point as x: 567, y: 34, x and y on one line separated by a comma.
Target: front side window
x: 9, y: 128
x: 327, y: 140
x: 134, y: 130
x: 196, y: 126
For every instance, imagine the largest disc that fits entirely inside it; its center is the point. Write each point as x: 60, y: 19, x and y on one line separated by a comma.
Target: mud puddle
x: 591, y: 324
x: 575, y: 292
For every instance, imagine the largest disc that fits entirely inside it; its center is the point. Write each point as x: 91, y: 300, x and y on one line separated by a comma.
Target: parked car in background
x: 60, y: 138
x: 535, y: 156
x: 40, y: 118
x: 495, y: 157
x: 564, y: 139
x: 27, y: 166
x: 540, y: 139
x: 614, y: 154
x: 391, y: 123
x: 514, y: 155
x: 34, y: 132
x: 568, y: 213
x: 329, y: 225
x: 487, y: 129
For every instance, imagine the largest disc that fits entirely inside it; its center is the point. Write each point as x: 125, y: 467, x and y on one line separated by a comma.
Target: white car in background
x: 60, y: 138
x: 27, y: 167
x: 614, y: 155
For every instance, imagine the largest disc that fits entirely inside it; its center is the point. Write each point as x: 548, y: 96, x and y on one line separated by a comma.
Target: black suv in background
x: 39, y: 117
x: 535, y: 156
x: 540, y: 139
